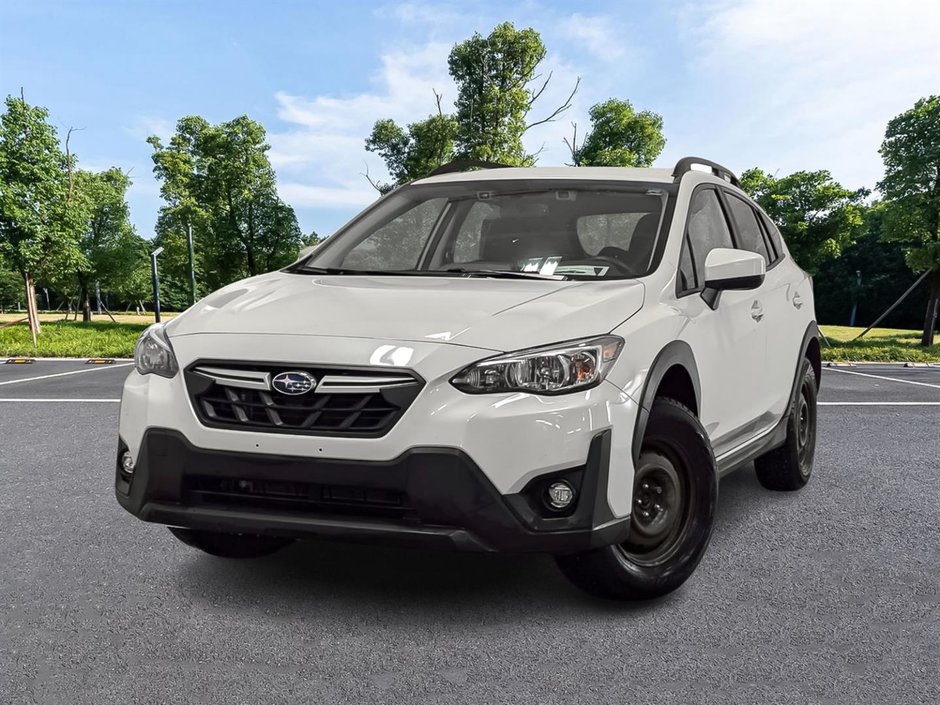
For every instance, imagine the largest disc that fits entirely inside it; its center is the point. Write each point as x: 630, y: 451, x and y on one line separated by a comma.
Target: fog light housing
x: 127, y: 463
x: 559, y: 495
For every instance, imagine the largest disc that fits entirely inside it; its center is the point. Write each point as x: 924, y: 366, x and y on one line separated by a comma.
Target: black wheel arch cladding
x: 675, y: 353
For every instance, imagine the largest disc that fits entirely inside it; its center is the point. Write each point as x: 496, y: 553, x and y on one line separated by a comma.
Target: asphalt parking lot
x: 829, y: 595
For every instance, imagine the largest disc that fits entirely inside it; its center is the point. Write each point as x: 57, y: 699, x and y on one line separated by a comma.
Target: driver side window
x: 706, y: 229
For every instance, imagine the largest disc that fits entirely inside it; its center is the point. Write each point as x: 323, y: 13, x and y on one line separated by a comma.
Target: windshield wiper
x: 359, y: 272
x: 505, y: 274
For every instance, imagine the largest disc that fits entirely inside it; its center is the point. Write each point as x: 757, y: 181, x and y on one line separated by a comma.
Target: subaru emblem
x: 293, y: 382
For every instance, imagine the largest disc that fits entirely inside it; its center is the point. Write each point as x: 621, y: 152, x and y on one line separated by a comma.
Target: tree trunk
x: 933, y: 309
x: 31, y: 313
x: 85, y: 304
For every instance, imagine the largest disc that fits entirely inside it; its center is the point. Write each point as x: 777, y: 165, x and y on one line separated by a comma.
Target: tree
x: 817, y: 216
x: 884, y: 276
x: 911, y: 187
x: 412, y: 152
x: 11, y: 288
x: 497, y: 88
x: 619, y: 136
x: 42, y: 214
x: 111, y: 249
x: 217, y: 180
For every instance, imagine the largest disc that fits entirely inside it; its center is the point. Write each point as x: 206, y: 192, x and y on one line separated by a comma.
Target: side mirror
x: 727, y: 268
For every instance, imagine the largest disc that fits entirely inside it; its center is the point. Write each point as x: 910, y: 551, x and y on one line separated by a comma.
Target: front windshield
x: 539, y: 228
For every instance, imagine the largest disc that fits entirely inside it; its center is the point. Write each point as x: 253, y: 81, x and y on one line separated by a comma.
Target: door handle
x: 757, y: 311
x: 797, y: 301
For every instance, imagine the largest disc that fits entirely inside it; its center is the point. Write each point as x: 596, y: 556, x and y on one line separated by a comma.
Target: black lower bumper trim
x: 427, y: 496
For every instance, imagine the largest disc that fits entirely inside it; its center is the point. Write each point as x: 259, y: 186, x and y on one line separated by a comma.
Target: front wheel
x: 230, y: 545
x: 674, y: 497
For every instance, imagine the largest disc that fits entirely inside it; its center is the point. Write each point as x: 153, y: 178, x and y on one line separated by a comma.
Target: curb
x: 894, y: 363
x: 6, y: 358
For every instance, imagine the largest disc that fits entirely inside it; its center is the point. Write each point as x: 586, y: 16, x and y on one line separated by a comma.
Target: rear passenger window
x: 749, y: 231
x: 706, y: 230
x: 774, y: 234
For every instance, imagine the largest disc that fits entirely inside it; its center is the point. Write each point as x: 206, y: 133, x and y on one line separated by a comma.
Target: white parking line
x: 878, y: 403
x: 889, y: 379
x: 62, y: 401
x: 63, y: 374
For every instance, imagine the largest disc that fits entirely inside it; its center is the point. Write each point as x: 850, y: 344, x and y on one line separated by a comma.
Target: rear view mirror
x: 727, y: 268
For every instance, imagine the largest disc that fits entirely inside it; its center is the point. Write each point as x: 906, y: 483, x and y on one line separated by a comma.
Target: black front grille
x: 280, y: 496
x: 362, y: 409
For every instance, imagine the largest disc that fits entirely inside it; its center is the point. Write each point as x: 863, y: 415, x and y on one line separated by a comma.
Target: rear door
x: 726, y: 335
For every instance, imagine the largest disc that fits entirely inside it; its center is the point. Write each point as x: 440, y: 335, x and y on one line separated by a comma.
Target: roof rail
x: 465, y: 165
x: 685, y: 165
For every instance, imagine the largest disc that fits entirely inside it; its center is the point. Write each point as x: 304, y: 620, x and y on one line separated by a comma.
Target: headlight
x: 153, y: 353
x: 553, y: 369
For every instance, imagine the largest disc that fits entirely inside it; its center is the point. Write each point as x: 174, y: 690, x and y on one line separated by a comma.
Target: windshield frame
x: 500, y: 187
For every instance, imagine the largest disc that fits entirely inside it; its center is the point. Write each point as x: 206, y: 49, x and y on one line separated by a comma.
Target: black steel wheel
x: 230, y: 545
x: 789, y: 467
x: 674, y: 498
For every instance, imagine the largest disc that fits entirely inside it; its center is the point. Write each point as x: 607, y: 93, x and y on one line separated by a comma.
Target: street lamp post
x: 192, y: 267
x: 156, y: 283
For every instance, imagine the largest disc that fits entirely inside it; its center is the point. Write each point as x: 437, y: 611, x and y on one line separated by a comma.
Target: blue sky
x: 781, y: 85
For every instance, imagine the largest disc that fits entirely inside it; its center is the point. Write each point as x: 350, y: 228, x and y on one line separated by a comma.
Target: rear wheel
x: 674, y: 497
x: 230, y: 545
x: 788, y: 467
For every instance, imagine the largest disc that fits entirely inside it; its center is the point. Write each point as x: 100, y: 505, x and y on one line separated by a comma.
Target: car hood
x: 495, y: 314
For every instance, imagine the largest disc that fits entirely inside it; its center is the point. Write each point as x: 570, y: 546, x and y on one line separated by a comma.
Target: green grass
x: 878, y: 345
x: 72, y: 339
x: 106, y: 339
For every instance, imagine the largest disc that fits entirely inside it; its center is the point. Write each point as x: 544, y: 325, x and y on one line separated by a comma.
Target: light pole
x: 192, y: 268
x: 156, y: 283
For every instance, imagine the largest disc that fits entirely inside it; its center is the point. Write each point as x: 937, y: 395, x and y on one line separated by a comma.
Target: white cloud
x: 146, y: 125
x: 598, y: 35
x: 321, y: 155
x: 808, y: 84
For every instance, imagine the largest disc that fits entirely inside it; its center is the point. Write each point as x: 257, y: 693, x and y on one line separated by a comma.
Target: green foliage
x: 217, y: 179
x: 493, y: 76
x: 41, y: 213
x: 112, y: 253
x: 817, y: 216
x: 620, y: 136
x: 11, y: 288
x: 413, y: 152
x: 73, y: 339
x: 885, y: 276
x: 879, y: 345
x: 911, y: 185
x: 497, y: 86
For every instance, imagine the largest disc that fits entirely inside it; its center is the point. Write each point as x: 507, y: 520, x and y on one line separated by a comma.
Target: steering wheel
x: 617, y: 253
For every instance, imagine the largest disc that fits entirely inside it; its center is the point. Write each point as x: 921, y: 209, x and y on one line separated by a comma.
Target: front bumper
x: 434, y: 496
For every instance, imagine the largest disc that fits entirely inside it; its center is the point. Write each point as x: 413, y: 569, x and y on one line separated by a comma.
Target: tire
x: 230, y: 545
x: 789, y: 467
x: 667, y: 538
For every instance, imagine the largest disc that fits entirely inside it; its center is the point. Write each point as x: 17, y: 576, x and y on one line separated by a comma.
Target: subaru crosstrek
x: 559, y: 360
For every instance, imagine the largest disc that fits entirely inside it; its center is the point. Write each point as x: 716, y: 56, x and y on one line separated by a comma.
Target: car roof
x: 585, y: 173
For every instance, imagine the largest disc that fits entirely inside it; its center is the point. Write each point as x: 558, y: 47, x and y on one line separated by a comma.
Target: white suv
x: 556, y: 360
